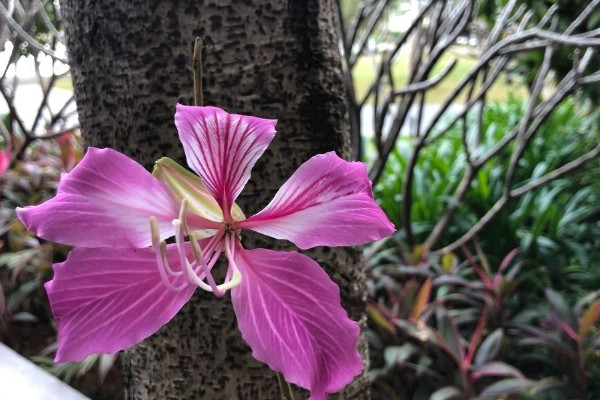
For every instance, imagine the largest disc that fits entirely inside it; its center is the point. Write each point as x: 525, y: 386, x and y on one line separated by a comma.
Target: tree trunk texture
x: 131, y: 63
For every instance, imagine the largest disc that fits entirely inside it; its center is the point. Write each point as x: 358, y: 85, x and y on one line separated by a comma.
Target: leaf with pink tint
x: 105, y: 300
x: 326, y: 202
x: 106, y: 201
x: 222, y: 148
x: 289, y: 312
x: 5, y: 155
x: 496, y: 368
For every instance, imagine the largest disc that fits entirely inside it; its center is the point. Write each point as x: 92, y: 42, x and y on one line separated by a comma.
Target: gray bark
x: 131, y: 62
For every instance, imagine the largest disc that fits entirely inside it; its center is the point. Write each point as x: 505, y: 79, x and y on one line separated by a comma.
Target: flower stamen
x: 160, y: 250
x: 205, y: 268
x: 187, y: 268
x: 236, y: 277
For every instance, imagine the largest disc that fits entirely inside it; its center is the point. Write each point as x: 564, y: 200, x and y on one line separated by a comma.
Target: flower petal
x: 289, y: 312
x: 326, y: 202
x: 222, y: 148
x: 106, y: 201
x: 105, y: 300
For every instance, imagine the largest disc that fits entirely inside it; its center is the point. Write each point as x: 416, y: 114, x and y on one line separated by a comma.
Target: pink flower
x: 114, y: 290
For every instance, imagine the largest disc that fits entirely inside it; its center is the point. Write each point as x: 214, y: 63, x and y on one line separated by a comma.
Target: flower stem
x: 197, y: 63
x: 284, y: 388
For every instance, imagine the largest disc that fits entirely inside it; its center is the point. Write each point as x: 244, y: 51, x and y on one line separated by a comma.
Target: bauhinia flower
x: 122, y: 282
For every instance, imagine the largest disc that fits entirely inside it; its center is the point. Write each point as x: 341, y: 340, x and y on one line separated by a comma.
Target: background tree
x: 564, y: 13
x: 131, y: 62
x: 433, y: 35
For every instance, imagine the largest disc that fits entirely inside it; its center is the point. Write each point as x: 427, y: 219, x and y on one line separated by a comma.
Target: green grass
x: 364, y: 73
x: 64, y: 83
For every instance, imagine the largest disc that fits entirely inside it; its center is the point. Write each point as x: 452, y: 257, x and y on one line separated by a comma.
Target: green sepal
x: 187, y: 185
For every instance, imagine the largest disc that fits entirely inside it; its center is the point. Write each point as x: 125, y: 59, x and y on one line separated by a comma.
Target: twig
x: 376, y: 167
x: 4, y: 15
x: 350, y: 36
x: 197, y: 65
x: 516, y: 193
x: 523, y: 140
x: 42, y: 13
x: 557, y: 173
x: 429, y: 83
x: 46, y: 136
x: 373, y: 21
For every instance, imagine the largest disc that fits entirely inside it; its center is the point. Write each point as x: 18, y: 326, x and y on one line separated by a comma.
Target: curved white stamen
x: 188, y: 270
x: 236, y: 278
x: 160, y: 250
x: 182, y: 214
x: 161, y: 246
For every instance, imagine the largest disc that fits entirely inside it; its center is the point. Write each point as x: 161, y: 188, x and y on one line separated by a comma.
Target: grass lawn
x: 64, y: 83
x: 364, y: 73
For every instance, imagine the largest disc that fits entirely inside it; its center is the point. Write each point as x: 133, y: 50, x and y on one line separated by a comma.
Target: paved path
x: 20, y: 379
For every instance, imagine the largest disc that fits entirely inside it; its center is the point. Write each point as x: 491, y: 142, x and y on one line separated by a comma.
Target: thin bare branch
x: 429, y: 83
x: 557, y: 173
x: 500, y: 23
x: 6, y: 17
x: 523, y: 140
x: 357, y: 50
x: 581, y: 18
x: 44, y: 16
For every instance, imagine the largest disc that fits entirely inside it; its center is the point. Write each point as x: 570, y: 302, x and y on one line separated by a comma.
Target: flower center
x: 203, y: 257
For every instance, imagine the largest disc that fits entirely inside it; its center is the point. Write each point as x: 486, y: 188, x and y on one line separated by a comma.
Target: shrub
x: 555, y: 224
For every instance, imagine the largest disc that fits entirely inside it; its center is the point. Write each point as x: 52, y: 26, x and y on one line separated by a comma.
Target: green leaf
x: 421, y: 300
x: 449, y: 261
x: 593, y: 20
x: 24, y: 317
x: 506, y: 387
x: 496, y: 368
x: 417, y: 254
x: 449, y: 335
x: 379, y: 319
x: 561, y: 308
x: 394, y: 354
x: 446, y: 393
x: 490, y: 347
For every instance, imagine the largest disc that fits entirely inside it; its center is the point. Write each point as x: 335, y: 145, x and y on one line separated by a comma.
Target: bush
x: 439, y: 329
x: 515, y: 319
x: 555, y: 225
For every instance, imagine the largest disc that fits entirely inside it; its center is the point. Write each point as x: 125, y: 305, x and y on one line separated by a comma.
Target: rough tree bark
x: 131, y: 62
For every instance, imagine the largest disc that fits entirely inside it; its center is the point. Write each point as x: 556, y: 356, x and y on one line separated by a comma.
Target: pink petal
x: 222, y: 148
x: 106, y: 201
x: 289, y: 312
x: 105, y: 300
x: 326, y: 202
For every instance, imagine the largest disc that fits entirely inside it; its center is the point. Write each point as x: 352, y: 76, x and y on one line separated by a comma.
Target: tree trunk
x: 131, y: 62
